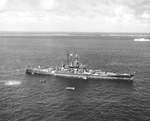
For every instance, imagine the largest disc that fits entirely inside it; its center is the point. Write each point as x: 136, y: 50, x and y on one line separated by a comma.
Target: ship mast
x: 76, y: 61
x: 68, y: 58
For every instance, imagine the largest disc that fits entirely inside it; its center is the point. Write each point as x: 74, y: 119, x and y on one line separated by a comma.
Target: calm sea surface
x: 25, y: 98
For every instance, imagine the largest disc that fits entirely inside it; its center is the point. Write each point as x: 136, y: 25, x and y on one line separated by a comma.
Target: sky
x: 75, y: 15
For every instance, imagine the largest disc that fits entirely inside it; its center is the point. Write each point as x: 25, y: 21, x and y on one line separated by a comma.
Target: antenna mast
x: 67, y: 58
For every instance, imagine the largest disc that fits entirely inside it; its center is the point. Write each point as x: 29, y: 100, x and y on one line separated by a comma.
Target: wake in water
x: 10, y: 82
x: 142, y: 40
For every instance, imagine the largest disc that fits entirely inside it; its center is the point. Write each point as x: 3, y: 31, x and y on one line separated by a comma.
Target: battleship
x: 74, y: 69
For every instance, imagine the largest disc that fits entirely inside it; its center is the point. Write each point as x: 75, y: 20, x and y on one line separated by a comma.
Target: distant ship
x: 74, y: 69
x: 141, y: 40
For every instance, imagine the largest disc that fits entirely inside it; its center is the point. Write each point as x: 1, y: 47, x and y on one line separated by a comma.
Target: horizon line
x: 69, y: 32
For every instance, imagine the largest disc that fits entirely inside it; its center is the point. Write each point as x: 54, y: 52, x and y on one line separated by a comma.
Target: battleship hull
x: 36, y: 71
x: 75, y: 69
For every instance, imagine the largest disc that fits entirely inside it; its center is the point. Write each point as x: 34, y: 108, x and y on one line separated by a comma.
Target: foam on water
x: 11, y: 82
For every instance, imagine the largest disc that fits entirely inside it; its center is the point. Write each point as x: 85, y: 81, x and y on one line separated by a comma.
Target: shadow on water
x: 82, y: 86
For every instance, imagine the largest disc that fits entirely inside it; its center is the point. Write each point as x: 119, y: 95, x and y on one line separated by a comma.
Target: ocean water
x: 25, y: 98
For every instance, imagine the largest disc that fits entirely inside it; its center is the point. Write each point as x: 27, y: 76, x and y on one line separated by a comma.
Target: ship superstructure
x: 74, y: 69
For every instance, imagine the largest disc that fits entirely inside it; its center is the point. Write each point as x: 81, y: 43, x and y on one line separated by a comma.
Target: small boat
x: 43, y: 81
x: 70, y: 88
